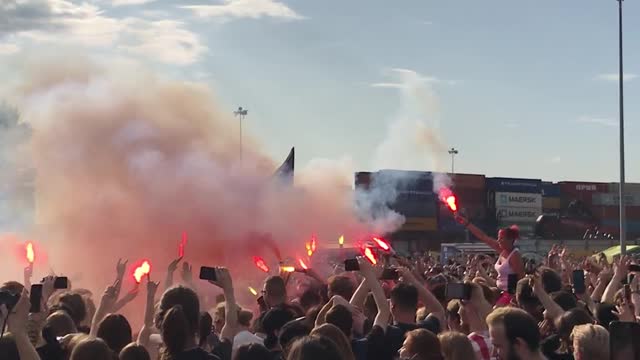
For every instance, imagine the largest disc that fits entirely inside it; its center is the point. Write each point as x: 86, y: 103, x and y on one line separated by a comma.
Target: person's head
x: 115, y: 330
x: 8, y: 348
x: 569, y: 320
x: 514, y: 333
x: 290, y: 332
x: 13, y: 287
x: 275, y: 291
x: 456, y: 346
x: 92, y: 349
x: 590, y: 342
x: 219, y: 317
x: 527, y: 301
x: 177, y: 319
x: 309, y: 299
x: 404, y: 302
x: 134, y: 351
x: 244, y: 319
x: 336, y: 335
x: 453, y: 316
x: 439, y: 291
x: 205, y: 326
x: 272, y: 324
x: 342, y: 286
x: 314, y: 348
x: 76, y: 306
x: 253, y: 352
x: 421, y: 344
x: 551, y: 280
x: 507, y: 237
x: 60, y: 324
x: 341, y: 317
x: 605, y: 315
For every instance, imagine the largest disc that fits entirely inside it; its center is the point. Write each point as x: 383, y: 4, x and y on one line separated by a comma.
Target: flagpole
x: 623, y: 232
x: 240, y: 114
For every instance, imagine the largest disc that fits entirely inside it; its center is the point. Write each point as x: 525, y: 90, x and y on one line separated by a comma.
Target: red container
x: 471, y: 197
x: 581, y: 189
x: 605, y: 212
x: 467, y: 181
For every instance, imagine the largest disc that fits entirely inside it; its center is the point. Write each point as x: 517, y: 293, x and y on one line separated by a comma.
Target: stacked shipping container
x: 550, y: 198
x: 515, y: 202
x: 471, y: 194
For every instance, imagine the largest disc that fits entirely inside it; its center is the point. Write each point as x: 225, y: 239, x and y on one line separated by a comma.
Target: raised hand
x: 121, y: 267
x: 28, y: 274
x: 187, y: 273
x: 152, y: 288
x: 224, y: 280
x: 173, y: 266
x: 47, y: 288
x: 110, y: 296
x: 18, y: 320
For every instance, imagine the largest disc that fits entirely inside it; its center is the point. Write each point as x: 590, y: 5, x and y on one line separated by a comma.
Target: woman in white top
x: 509, y: 260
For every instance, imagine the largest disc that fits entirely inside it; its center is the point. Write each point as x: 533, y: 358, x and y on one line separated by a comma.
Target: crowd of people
x: 414, y: 314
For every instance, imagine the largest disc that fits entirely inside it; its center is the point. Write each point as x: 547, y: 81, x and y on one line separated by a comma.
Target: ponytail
x: 175, y: 332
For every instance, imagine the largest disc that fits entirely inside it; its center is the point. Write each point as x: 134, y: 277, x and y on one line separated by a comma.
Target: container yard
x: 544, y: 211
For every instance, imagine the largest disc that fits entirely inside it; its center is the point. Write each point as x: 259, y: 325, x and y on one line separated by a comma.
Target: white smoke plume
x: 127, y: 161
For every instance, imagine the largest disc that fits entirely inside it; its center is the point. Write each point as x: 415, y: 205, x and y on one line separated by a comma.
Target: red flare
x: 368, y: 253
x: 182, y: 245
x: 381, y: 243
x: 141, y: 271
x: 30, y: 253
x: 314, y: 241
x: 302, y: 264
x: 449, y: 198
x: 260, y: 264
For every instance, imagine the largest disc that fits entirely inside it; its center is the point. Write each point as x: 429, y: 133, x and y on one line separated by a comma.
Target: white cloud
x: 8, y: 48
x: 253, y: 9
x: 130, y: 2
x: 165, y: 40
x: 62, y: 22
x: 616, y: 77
x: 388, y: 85
x: 410, y: 78
x: 604, y: 121
x: 556, y: 159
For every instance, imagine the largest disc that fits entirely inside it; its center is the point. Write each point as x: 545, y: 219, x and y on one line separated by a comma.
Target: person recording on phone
x: 509, y: 259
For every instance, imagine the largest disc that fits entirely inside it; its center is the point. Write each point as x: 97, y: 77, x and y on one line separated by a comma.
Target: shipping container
x: 518, y: 200
x: 605, y: 212
x: 471, y: 197
x: 420, y: 224
x: 402, y: 180
x: 363, y: 179
x: 550, y: 189
x: 629, y: 188
x: 414, y: 204
x: 533, y: 186
x: 517, y: 215
x: 613, y: 199
x: 551, y: 203
x: 632, y: 226
x: 577, y: 189
x: 526, y: 229
x: 467, y: 181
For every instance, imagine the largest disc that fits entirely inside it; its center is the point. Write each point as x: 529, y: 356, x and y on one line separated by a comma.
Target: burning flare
x: 449, y: 198
x: 261, y: 264
x: 368, y: 253
x: 31, y: 255
x: 381, y: 243
x: 183, y: 243
x: 253, y: 291
x: 341, y: 240
x: 302, y: 264
x: 288, y: 269
x: 141, y: 271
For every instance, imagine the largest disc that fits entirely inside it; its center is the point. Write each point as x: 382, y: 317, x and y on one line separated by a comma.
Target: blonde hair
x: 456, y: 346
x: 336, y: 335
x: 591, y: 342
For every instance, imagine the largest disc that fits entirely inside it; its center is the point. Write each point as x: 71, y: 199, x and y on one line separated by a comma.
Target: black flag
x: 285, y: 172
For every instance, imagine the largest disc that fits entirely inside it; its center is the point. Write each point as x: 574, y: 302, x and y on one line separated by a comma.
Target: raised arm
x: 171, y: 269
x: 430, y: 301
x: 145, y: 332
x: 17, y: 322
x: 384, y: 312
x: 493, y: 243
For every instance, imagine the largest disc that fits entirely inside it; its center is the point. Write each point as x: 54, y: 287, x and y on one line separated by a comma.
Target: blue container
x: 550, y: 189
x: 402, y: 180
x: 530, y: 186
x: 633, y: 226
x: 415, y: 205
x: 449, y: 224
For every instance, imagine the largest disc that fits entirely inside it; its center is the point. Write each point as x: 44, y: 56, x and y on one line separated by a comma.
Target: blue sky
x: 525, y: 89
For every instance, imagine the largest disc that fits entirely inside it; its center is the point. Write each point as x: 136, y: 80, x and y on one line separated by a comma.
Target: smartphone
x: 390, y: 274
x: 35, y: 296
x: 454, y: 291
x: 512, y: 283
x: 634, y: 268
x: 622, y: 340
x: 351, y: 265
x: 208, y: 273
x: 61, y: 282
x: 262, y: 304
x: 578, y: 282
